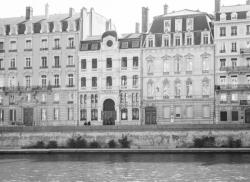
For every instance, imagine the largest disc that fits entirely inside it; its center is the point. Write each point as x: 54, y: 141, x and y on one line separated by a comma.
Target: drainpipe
x: 214, y: 74
x: 141, y: 84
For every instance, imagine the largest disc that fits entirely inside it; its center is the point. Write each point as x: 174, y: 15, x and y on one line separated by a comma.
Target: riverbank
x: 126, y: 151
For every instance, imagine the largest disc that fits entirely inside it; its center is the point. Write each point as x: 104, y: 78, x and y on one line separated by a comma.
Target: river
x: 125, y: 167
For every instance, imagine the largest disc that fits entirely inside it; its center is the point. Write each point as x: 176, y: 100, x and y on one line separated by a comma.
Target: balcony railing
x: 244, y: 102
x: 236, y: 69
x: 232, y: 87
x: 2, y: 51
x: 245, y: 51
x: 24, y: 88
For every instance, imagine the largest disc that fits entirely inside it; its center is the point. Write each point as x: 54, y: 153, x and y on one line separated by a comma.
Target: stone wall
x: 163, y: 137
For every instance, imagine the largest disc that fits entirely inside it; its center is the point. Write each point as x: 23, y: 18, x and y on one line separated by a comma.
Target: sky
x: 124, y: 13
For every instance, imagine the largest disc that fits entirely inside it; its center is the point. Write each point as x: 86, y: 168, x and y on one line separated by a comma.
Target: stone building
x: 232, y: 41
x: 110, y: 79
x: 178, y: 69
x: 38, y: 65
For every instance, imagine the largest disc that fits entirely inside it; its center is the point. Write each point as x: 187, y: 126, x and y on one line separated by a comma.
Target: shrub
x: 81, y: 142
x: 94, y: 144
x: 39, y: 145
x: 52, y: 144
x: 198, y: 143
x: 71, y: 143
x: 204, y: 142
x: 234, y: 143
x: 124, y: 142
x: 112, y: 144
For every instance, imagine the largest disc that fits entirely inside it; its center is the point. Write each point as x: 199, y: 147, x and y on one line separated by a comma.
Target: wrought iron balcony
x: 236, y: 69
x: 232, y: 87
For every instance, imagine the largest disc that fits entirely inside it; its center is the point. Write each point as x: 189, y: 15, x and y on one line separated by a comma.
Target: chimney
x: 29, y: 13
x: 248, y: 2
x: 137, y: 27
x: 108, y: 25
x: 71, y: 12
x: 217, y: 6
x: 165, y: 9
x: 144, y: 27
x: 47, y: 10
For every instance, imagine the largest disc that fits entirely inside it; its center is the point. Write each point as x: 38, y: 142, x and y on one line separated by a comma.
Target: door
x: 28, y: 116
x: 109, y: 113
x: 247, y: 115
x: 150, y: 115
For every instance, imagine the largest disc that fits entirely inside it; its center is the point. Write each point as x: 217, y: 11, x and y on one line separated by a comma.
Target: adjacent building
x: 178, y: 68
x: 232, y: 41
x: 110, y: 79
x: 39, y: 63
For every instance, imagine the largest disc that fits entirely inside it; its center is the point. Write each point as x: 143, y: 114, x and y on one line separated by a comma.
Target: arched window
x: 177, y: 61
x: 124, y: 81
x: 109, y: 81
x: 177, y: 88
x: 189, y: 88
x: 205, y: 87
x: 150, y: 88
x: 165, y: 89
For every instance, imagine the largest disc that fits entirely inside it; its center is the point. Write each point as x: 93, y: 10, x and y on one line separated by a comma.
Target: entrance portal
x: 150, y: 115
x: 28, y: 116
x: 247, y: 115
x: 109, y: 113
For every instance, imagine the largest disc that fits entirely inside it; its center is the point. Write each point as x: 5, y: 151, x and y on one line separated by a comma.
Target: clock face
x: 109, y: 43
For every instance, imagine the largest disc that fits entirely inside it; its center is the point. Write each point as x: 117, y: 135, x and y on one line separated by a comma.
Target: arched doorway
x: 247, y: 115
x: 150, y: 115
x: 109, y: 113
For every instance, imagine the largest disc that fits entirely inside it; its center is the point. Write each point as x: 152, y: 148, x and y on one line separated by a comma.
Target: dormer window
x: 205, y: 38
x: 45, y: 28
x: 166, y: 41
x: 124, y: 45
x: 167, y: 26
x: 190, y: 24
x: 248, y: 15
x: 57, y: 27
x: 223, y: 17
x: 29, y: 28
x: 234, y: 16
x: 94, y: 46
x: 178, y: 25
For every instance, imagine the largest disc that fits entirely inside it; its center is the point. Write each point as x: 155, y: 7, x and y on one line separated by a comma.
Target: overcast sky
x: 124, y: 13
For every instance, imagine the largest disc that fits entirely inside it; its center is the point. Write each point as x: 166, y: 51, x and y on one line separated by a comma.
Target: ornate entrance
x: 247, y: 115
x: 150, y: 115
x: 109, y: 113
x: 28, y: 116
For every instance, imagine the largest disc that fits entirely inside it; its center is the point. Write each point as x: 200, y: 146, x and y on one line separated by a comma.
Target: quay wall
x: 141, y: 137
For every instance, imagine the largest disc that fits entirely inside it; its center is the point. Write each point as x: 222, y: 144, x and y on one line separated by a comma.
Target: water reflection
x: 125, y: 167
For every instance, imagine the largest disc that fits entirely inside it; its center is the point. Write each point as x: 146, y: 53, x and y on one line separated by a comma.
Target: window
x: 135, y: 114
x: 233, y: 30
x: 177, y: 40
x: 223, y: 97
x: 189, y: 40
x: 70, y: 61
x: 166, y: 66
x: 205, y: 39
x: 222, y: 80
x: 167, y: 26
x: 44, y: 44
x: 56, y: 61
x: 150, y: 42
x: 135, y: 44
x: 83, y: 115
x: 43, y: 114
x: 234, y: 97
x: 109, y: 63
x: 94, y: 114
x: 1, y: 99
x: 27, y: 62
x: 94, y: 46
x: 205, y: 64
x: 248, y: 62
x: 71, y: 42
x: 94, y: 63
x: 223, y: 48
x: 135, y: 81
x: 223, y: 115
x: 12, y: 98
x: 12, y: 115
x: 12, y: 81
x: 205, y: 87
x: 44, y: 80
x: 150, y: 89
x: 13, y: 45
x: 177, y: 64
x: 124, y: 114
x: 1, y: 46
x: 177, y: 112
x: 70, y: 114
x: 124, y: 45
x: 27, y: 81
x: 83, y: 64
x: 235, y: 116
x: 56, y: 43
x: 165, y: 89
x: 189, y: 88
x: 71, y: 80
x: 166, y: 112
x: 124, y: 81
x: 1, y: 115
x: 56, y: 80
x: 13, y: 63
x: 189, y: 64
x: 135, y: 62
x: 234, y: 47
x: 150, y: 67
x: 71, y: 97
x: 56, y: 114
x: 28, y: 44
x: 109, y: 82
x: 222, y: 63
x: 43, y: 98
x: 222, y: 31
x: 56, y: 97
x: 124, y: 63
x: 166, y: 41
x: 248, y: 79
x: 1, y: 64
x: 44, y: 62
x: 248, y: 29
x: 177, y: 89
x: 189, y: 112
x: 83, y: 82
x: 94, y: 82
x: 234, y: 62
x: 206, y: 111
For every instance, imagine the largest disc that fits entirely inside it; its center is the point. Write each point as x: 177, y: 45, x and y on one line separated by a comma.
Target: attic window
x: 124, y: 45
x: 94, y: 46
x: 84, y: 47
x: 135, y: 44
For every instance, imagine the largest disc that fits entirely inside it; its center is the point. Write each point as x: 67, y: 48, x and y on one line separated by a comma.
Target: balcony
x: 27, y: 68
x: 25, y: 88
x: 71, y: 47
x: 43, y: 67
x: 245, y: 51
x: 2, y: 51
x: 57, y: 66
x: 13, y: 68
x: 231, y: 87
x: 13, y: 50
x: 236, y: 69
x: 244, y: 102
x: 56, y: 48
x: 70, y: 66
x: 70, y: 86
x: 44, y: 49
x: 28, y: 50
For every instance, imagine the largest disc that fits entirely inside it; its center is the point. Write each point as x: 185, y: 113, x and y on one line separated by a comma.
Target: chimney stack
x: 165, y: 9
x: 71, y: 12
x: 144, y: 27
x: 217, y: 6
x: 47, y: 10
x: 248, y: 2
x: 29, y: 13
x: 137, y: 27
x: 107, y: 25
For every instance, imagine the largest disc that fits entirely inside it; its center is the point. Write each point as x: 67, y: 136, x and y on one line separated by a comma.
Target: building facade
x: 178, y: 69
x: 38, y: 66
x: 110, y: 79
x: 232, y: 41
